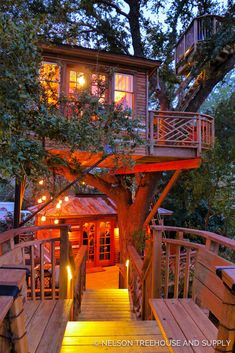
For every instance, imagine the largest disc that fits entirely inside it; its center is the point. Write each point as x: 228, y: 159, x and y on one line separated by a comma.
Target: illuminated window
x: 77, y: 82
x: 50, y: 81
x: 123, y: 90
x: 98, y: 86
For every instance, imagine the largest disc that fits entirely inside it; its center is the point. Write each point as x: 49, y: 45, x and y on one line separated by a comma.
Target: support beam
x: 160, y: 167
x: 162, y: 197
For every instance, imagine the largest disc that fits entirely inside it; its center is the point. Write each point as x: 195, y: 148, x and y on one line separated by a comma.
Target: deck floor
x: 45, y: 324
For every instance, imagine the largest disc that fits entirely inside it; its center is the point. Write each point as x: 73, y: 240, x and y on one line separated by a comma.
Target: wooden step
x: 105, y: 305
x: 91, y: 337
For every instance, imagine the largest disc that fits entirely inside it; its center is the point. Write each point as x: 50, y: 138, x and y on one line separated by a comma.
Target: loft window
x: 50, y: 81
x: 77, y: 82
x: 123, y: 90
x: 99, y: 87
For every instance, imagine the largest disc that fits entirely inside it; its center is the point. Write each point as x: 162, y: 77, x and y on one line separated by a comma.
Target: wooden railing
x: 202, y: 28
x: 53, y: 271
x: 169, y: 271
x: 181, y: 129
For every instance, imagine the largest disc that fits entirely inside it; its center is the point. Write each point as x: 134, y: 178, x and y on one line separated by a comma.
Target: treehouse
x: 123, y: 79
x: 201, y: 30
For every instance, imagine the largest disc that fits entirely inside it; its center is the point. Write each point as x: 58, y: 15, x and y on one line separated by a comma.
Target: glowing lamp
x: 44, y: 197
x: 56, y: 221
x: 60, y: 201
x: 43, y: 218
x: 66, y: 199
x: 127, y: 263
x: 58, y: 205
x: 69, y: 272
x: 116, y: 232
x: 41, y: 182
x: 40, y: 200
x: 81, y: 80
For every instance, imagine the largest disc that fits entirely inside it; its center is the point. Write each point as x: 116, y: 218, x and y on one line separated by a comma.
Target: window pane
x: 123, y: 82
x: 72, y: 76
x: 50, y: 78
x: 125, y: 99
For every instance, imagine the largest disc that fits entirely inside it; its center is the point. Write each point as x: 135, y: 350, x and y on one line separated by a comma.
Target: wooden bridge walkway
x: 107, y: 324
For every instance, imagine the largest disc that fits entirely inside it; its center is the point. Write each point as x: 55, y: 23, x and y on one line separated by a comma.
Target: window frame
x: 121, y: 72
x: 59, y: 82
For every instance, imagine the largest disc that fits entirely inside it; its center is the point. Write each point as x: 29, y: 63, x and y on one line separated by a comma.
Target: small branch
x: 114, y: 6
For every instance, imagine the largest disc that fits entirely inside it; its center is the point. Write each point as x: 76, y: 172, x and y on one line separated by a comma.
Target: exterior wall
x: 76, y: 236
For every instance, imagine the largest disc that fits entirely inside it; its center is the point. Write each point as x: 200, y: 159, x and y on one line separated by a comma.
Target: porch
x: 185, y: 266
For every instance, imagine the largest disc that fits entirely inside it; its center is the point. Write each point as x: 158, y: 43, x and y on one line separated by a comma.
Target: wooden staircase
x: 107, y: 324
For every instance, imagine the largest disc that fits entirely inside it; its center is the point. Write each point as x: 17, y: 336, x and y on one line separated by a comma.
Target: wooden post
x: 226, y: 329
x: 151, y: 130
x: 156, y: 264
x: 19, y: 192
x: 199, y: 135
x: 64, y: 262
x: 16, y: 278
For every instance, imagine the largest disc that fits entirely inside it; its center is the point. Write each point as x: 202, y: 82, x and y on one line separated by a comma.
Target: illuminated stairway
x: 105, y: 305
x: 106, y: 325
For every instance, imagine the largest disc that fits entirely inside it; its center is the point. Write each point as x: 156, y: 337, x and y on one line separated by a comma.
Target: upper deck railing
x: 181, y: 129
x: 201, y: 28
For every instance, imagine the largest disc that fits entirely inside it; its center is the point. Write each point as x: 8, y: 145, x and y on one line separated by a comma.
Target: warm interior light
x: 66, y: 199
x: 39, y: 200
x: 43, y: 218
x: 83, y: 183
x: 116, y: 232
x: 56, y: 221
x: 41, y: 182
x: 44, y: 197
x: 69, y: 272
x: 60, y: 201
x: 127, y: 263
x: 81, y: 80
x: 58, y: 205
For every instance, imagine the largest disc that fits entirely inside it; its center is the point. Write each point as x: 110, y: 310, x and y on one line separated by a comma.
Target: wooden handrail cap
x: 12, y: 277
x: 227, y: 274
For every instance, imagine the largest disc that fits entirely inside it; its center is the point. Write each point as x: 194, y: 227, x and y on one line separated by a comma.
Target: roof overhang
x: 100, y: 56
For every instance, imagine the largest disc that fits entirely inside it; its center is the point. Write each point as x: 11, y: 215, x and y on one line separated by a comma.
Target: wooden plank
x: 54, y: 332
x: 12, y: 277
x: 163, y: 166
x: 168, y: 325
x: 187, y: 325
x: 227, y: 274
x: 167, y: 272
x: 89, y: 341
x: 187, y: 272
x: 38, y: 323
x: 53, y: 263
x: 200, y: 318
x: 42, y: 284
x: 156, y: 264
x: 5, y: 304
x: 177, y: 272
x: 32, y: 278
x: 30, y: 308
x: 94, y: 349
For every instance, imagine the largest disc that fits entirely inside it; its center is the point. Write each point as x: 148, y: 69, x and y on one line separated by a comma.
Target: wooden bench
x: 183, y: 322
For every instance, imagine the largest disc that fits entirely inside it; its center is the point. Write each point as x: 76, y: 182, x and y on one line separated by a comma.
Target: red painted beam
x: 160, y: 167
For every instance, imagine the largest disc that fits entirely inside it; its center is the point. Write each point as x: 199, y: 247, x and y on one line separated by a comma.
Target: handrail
x: 181, y: 129
x: 79, y: 280
x: 208, y: 236
x: 10, y: 234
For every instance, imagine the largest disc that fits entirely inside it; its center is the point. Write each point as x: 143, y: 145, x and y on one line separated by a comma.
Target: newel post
x: 64, y: 263
x: 156, y: 263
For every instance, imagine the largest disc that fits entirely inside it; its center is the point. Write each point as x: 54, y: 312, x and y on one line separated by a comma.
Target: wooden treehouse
x: 180, y: 299
x: 201, y: 31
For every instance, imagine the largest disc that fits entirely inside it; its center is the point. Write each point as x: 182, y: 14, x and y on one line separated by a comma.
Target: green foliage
x: 205, y: 198
x: 27, y: 119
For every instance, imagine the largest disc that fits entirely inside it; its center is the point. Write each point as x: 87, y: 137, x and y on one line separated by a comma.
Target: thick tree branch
x: 214, y: 76
x: 114, y: 6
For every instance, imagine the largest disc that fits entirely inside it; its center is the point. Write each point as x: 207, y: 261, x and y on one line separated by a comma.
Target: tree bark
x: 134, y: 22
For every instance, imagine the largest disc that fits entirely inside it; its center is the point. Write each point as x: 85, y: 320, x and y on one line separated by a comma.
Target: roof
x: 80, y: 206
x: 100, y: 56
x: 85, y: 205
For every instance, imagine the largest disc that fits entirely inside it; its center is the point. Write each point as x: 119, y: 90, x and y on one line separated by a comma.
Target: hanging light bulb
x: 56, y: 221
x: 43, y: 218
x: 60, y: 201
x: 81, y: 80
x: 66, y: 199
x: 44, y: 197
x: 40, y: 200
x: 41, y: 182
x: 58, y: 205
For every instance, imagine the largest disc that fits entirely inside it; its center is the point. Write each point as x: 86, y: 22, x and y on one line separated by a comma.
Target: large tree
x: 144, y: 28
